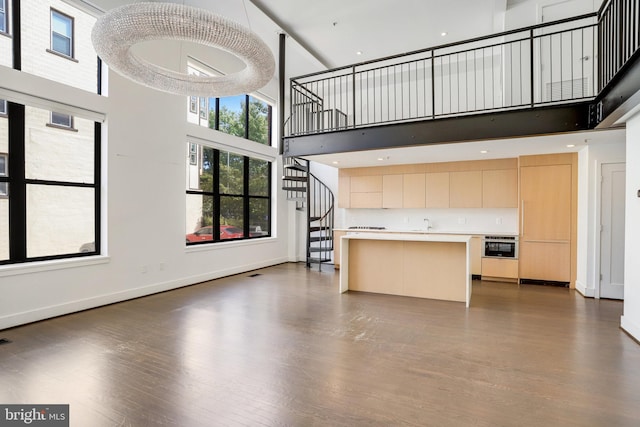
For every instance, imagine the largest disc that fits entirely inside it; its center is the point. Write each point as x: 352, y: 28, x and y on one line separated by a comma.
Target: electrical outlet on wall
x: 499, y: 220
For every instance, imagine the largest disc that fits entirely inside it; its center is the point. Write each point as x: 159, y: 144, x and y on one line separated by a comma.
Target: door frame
x: 598, y: 225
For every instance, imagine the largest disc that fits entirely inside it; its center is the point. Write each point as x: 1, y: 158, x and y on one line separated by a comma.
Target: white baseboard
x: 586, y: 292
x: 630, y: 327
x: 16, y: 319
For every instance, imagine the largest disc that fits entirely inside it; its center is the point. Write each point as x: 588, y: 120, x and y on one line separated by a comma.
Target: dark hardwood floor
x: 285, y: 348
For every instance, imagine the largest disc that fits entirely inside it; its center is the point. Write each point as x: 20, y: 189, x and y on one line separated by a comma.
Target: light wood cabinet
x: 545, y: 202
x: 414, y: 190
x: 366, y: 191
x: 465, y: 189
x: 336, y: 248
x: 500, y: 188
x: 548, y: 197
x: 392, y: 191
x: 545, y: 261
x: 476, y: 255
x: 344, y: 192
x: 467, y: 184
x: 498, y: 268
x: 437, y: 190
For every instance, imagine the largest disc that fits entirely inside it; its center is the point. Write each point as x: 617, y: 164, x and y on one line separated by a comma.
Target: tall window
x: 243, y: 116
x: 3, y: 107
x: 61, y: 33
x: 52, y: 207
x: 3, y: 16
x: 228, y: 196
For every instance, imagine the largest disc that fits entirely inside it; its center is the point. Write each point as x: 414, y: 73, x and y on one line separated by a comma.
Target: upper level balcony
x: 549, y: 78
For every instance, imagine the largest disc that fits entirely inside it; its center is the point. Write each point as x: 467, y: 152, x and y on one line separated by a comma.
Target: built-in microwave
x: 500, y: 247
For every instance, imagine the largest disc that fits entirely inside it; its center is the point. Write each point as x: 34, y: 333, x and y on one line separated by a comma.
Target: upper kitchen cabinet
x: 465, y: 189
x: 366, y: 191
x: 392, y: 191
x: 500, y: 188
x: 413, y: 190
x: 437, y: 189
x: 344, y: 191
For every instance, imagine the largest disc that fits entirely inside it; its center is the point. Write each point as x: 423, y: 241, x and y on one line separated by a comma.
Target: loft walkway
x: 561, y: 76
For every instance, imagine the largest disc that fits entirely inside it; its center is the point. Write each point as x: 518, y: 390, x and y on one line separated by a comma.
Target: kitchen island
x: 432, y: 266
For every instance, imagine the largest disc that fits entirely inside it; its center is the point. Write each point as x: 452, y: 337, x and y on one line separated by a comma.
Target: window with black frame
x: 50, y: 211
x: 228, y: 196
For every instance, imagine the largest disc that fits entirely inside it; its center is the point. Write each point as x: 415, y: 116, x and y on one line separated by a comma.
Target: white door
x: 612, y: 231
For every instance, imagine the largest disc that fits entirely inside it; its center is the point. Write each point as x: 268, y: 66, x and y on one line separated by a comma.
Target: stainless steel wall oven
x: 500, y: 247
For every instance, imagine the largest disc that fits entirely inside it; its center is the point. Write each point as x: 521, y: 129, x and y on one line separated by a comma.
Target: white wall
x: 144, y: 215
x: 590, y: 161
x: 630, y: 321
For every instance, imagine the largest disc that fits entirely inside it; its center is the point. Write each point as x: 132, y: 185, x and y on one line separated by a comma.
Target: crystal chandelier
x: 119, y: 29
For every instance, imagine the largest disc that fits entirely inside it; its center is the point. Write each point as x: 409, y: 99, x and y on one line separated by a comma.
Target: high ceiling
x: 334, y: 31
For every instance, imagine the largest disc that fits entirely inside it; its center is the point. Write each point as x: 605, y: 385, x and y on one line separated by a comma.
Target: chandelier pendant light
x: 118, y: 30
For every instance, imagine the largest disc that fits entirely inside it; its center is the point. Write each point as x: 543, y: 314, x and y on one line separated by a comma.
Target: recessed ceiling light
x: 380, y: 159
x: 444, y: 33
x: 571, y: 145
x: 359, y: 52
x: 335, y: 162
x: 484, y: 151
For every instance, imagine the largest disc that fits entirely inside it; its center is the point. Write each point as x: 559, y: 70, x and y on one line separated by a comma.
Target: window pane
x: 212, y: 113
x: 57, y: 154
x: 199, y: 218
x: 61, y: 119
x: 199, y: 167
x: 258, y: 177
x: 61, y: 24
x: 3, y: 106
x: 60, y: 220
x: 231, y: 173
x: 258, y: 121
x: 6, y: 43
x: 4, y: 228
x: 61, y: 44
x: 232, y: 115
x: 259, y: 217
x: 231, y: 217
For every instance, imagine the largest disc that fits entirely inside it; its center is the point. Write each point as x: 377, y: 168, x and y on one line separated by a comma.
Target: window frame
x: 3, y: 108
x: 61, y: 126
x: 71, y: 37
x: 217, y: 196
x: 4, y: 183
x: 4, y: 19
x: 19, y: 185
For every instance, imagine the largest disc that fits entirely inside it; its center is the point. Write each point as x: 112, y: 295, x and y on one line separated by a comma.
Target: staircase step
x: 294, y: 178
x: 297, y: 167
x: 313, y: 259
x: 320, y: 239
x: 320, y: 249
x: 315, y: 229
x: 315, y: 218
x: 298, y: 189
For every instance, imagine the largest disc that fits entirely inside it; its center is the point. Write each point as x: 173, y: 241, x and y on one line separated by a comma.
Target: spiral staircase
x: 314, y: 198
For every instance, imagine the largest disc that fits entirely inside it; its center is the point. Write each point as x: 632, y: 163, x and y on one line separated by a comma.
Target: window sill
x: 62, y: 55
x: 59, y: 264
x: 52, y: 125
x: 230, y: 244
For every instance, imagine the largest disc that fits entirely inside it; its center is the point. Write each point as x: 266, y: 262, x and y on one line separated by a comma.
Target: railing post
x: 353, y: 94
x: 531, y: 57
x: 433, y: 84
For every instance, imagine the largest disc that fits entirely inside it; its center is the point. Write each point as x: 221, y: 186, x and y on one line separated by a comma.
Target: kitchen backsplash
x: 480, y: 221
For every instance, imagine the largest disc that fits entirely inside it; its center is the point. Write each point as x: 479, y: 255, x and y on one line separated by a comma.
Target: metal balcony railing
x: 565, y: 61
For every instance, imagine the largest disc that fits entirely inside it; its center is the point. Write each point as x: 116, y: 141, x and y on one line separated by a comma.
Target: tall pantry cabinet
x: 548, y: 198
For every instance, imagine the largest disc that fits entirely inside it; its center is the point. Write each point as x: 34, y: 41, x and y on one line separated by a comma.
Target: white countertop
x: 416, y: 237
x: 440, y: 232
